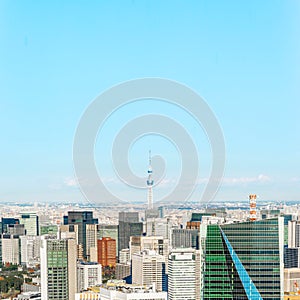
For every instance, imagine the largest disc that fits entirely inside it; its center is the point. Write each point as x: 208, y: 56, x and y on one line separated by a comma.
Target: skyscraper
x: 107, y: 252
x: 58, y: 269
x: 129, y: 225
x: 182, y: 274
x: 148, y: 268
x: 10, y: 249
x: 31, y: 223
x: 185, y: 238
x: 8, y: 221
x: 243, y: 260
x: 108, y: 230
x: 81, y: 218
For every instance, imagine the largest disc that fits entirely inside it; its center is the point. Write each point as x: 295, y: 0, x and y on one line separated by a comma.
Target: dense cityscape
x: 244, y: 250
x: 150, y: 150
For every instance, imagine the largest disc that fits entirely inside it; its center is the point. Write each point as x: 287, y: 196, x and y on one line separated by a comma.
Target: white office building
x: 89, y: 274
x: 10, y: 249
x: 148, y: 269
x: 30, y: 250
x: 182, y: 274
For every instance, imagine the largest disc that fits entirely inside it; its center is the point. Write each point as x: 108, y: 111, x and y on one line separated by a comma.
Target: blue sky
x: 242, y: 57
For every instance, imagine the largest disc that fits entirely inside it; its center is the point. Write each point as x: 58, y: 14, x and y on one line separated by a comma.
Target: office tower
x: 161, y: 212
x: 31, y: 223
x: 10, y: 249
x: 122, y: 271
x: 158, y: 226
x: 58, y: 269
x: 293, y: 234
x: 151, y: 213
x: 68, y: 232
x: 269, y: 213
x: 89, y: 274
x: 106, y: 230
x: 16, y: 229
x: 119, y: 290
x: 124, y: 257
x: 185, y: 238
x: 81, y: 219
x: 150, y: 183
x: 291, y: 258
x: 182, y: 274
x: 148, y: 268
x: 91, y: 241
x: 287, y: 219
x: 107, y: 252
x: 157, y: 243
x: 30, y: 250
x: 243, y: 260
x: 8, y: 221
x: 129, y: 225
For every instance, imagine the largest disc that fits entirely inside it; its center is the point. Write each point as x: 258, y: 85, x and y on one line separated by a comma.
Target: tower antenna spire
x: 150, y: 183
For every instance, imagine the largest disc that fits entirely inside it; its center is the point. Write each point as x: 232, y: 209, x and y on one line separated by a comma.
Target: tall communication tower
x: 252, y: 199
x: 150, y: 184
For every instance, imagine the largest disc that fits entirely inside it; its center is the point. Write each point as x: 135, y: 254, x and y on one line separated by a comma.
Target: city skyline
x: 243, y: 59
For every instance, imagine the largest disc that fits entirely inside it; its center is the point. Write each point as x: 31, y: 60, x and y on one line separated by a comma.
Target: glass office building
x: 243, y: 260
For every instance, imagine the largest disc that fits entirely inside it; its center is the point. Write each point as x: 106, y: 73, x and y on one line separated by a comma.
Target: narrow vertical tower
x: 150, y: 184
x: 252, y: 199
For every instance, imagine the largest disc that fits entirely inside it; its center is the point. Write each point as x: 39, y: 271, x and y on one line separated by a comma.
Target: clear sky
x: 242, y: 57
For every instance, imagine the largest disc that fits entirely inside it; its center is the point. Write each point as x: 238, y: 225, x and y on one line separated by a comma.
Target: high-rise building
x: 243, y: 260
x: 107, y: 252
x: 158, y: 226
x: 129, y: 225
x: 293, y: 234
x: 30, y: 250
x: 8, y: 221
x: 82, y: 219
x: 291, y: 258
x: 10, y: 249
x: 157, y: 243
x: 185, y: 238
x: 148, y: 268
x: 16, y: 229
x: 89, y: 274
x: 58, y: 269
x: 91, y: 241
x: 31, y: 223
x: 108, y: 230
x: 124, y: 257
x: 182, y: 274
x: 122, y: 271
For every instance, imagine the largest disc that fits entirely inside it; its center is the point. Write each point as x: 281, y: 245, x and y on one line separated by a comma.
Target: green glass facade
x: 57, y: 262
x: 221, y: 280
x: 240, y: 258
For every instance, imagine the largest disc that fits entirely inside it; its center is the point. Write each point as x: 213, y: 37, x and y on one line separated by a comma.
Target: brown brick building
x: 107, y: 251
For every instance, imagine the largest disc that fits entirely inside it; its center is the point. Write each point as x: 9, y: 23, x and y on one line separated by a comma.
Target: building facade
x: 243, y: 260
x: 182, y: 274
x: 58, y: 269
x: 107, y: 252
